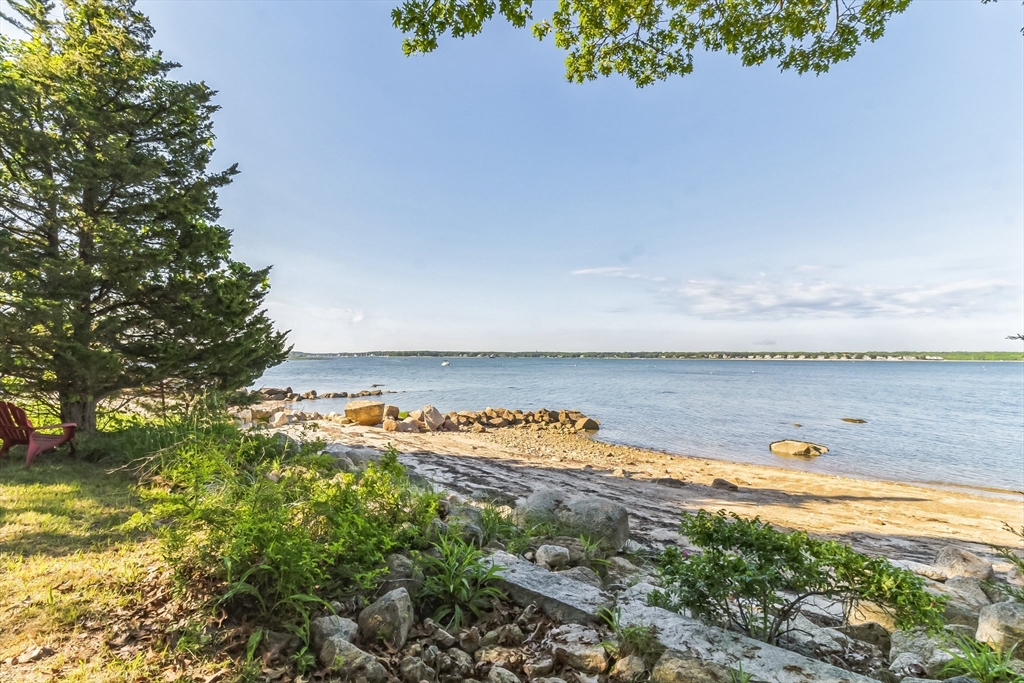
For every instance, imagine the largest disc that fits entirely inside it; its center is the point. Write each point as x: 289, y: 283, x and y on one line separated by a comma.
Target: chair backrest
x: 14, y: 423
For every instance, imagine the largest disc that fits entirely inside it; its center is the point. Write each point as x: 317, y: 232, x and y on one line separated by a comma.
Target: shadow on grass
x: 61, y: 506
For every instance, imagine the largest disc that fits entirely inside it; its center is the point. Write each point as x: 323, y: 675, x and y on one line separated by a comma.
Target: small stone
x: 469, y: 640
x: 629, y: 668
x: 392, y: 412
x: 507, y: 657
x: 552, y: 556
x: 462, y: 663
x: 330, y: 626
x: 352, y: 663
x: 724, y: 484
x: 414, y: 670
x: 539, y: 666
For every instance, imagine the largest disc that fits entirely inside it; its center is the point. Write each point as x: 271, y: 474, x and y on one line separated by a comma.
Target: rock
x: 449, y: 426
x: 440, y: 636
x: 797, y: 448
x: 324, y: 628
x: 433, y: 418
x: 469, y: 519
x: 724, y: 484
x: 553, y: 679
x: 579, y: 648
x: 366, y: 413
x: 870, y: 632
x: 603, y: 520
x: 954, y: 561
x: 584, y: 575
x: 675, y: 667
x: 539, y: 666
x: 392, y: 412
x: 403, y: 573
x: 697, y: 652
x: 462, y: 663
x: 552, y: 556
x: 964, y: 599
x: 507, y: 657
x: 280, y: 419
x: 388, y: 619
x: 469, y: 640
x: 499, y: 674
x: 908, y: 665
x: 577, y: 552
x: 629, y: 668
x: 409, y: 425
x: 671, y: 482
x: 414, y: 670
x: 560, y: 597
x: 390, y: 425
x: 929, y: 650
x: 585, y: 424
x: 1002, y: 626
x: 621, y: 570
x: 925, y: 570
x: 509, y: 635
x: 352, y: 663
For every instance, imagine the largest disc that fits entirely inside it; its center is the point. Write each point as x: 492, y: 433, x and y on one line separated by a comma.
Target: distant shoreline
x: 873, y: 356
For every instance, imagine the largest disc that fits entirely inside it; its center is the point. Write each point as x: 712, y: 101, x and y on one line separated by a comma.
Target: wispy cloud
x: 775, y: 299
x: 617, y: 271
x: 320, y: 313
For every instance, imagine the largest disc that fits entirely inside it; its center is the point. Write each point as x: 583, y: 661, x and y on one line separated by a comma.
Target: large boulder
x: 604, y: 521
x: 954, y: 561
x: 1002, y: 626
x: 797, y: 448
x: 433, y: 418
x: 560, y: 597
x: 366, y: 413
x: 388, y: 619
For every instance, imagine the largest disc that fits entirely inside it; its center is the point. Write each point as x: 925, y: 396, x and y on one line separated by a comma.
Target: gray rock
x: 440, y: 636
x: 469, y: 640
x: 469, y: 520
x: 414, y: 670
x: 724, y: 484
x: 346, y: 659
x: 954, y: 561
x: 925, y: 570
x: 964, y: 599
x: 322, y: 628
x: 402, y: 573
x: 929, y: 650
x: 506, y: 657
x: 509, y: 634
x: 462, y: 663
x: 1002, y: 626
x: 539, y: 666
x: 698, y: 652
x: 603, y: 520
x: 552, y: 556
x: 583, y: 575
x: 560, y: 597
x: 551, y: 679
x: 501, y: 675
x: 388, y: 619
x: 871, y: 633
x: 908, y: 665
x: 621, y: 570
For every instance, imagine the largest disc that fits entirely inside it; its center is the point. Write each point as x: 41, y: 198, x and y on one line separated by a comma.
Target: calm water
x: 940, y: 423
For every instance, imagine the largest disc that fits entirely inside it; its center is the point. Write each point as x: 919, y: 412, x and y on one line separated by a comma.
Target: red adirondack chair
x: 15, y: 429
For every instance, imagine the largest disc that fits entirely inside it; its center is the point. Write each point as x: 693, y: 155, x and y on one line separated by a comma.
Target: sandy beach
x: 899, y: 521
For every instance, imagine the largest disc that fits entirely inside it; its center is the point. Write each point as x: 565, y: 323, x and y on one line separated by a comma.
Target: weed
x: 981, y: 662
x: 640, y: 640
x: 746, y: 567
x: 738, y: 675
x: 458, y: 582
x: 1013, y: 556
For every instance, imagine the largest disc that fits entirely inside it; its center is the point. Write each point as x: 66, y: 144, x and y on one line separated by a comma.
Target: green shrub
x: 458, y: 582
x: 273, y: 525
x: 640, y: 640
x: 980, y: 662
x: 745, y: 566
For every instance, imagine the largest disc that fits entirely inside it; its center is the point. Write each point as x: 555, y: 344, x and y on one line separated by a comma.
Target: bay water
x: 957, y: 424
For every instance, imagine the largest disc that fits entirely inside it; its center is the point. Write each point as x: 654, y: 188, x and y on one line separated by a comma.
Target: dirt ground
x: 899, y: 521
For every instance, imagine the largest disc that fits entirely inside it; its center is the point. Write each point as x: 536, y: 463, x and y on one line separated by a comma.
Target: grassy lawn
x: 80, y: 584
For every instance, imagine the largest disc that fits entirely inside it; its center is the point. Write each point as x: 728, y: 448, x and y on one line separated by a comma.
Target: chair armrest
x: 63, y: 426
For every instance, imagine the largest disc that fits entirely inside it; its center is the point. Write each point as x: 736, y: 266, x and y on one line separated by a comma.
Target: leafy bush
x: 980, y: 662
x: 458, y: 582
x: 274, y: 525
x: 753, y: 579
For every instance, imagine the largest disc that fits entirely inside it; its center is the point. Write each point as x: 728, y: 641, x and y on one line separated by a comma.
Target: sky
x: 472, y: 199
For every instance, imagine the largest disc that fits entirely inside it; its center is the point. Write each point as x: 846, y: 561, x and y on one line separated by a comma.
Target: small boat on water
x: 491, y: 356
x: 445, y: 363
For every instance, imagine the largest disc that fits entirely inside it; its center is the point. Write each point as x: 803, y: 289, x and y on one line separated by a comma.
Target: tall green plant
x: 1013, y: 556
x: 114, y: 273
x: 459, y: 582
x: 753, y: 579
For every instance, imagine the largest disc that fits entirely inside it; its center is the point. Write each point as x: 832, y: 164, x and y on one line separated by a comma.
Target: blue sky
x: 473, y: 199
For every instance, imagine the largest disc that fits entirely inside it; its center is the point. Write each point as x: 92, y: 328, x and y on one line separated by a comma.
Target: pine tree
x: 114, y: 273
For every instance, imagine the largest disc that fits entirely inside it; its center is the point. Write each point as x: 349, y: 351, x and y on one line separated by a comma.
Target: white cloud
x: 614, y: 271
x: 768, y: 298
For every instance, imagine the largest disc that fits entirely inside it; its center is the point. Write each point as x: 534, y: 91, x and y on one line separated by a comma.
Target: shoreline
x: 898, y: 520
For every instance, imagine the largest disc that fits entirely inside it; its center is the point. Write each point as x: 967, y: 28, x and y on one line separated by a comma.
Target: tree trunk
x: 81, y: 411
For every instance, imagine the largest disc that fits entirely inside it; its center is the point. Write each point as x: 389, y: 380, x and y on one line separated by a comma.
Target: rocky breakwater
x: 286, y: 394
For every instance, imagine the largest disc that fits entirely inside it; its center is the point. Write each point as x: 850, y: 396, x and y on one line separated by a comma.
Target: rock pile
x: 497, y: 418
x: 286, y: 394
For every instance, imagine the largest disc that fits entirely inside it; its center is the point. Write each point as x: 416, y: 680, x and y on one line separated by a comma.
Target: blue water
x: 939, y: 423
